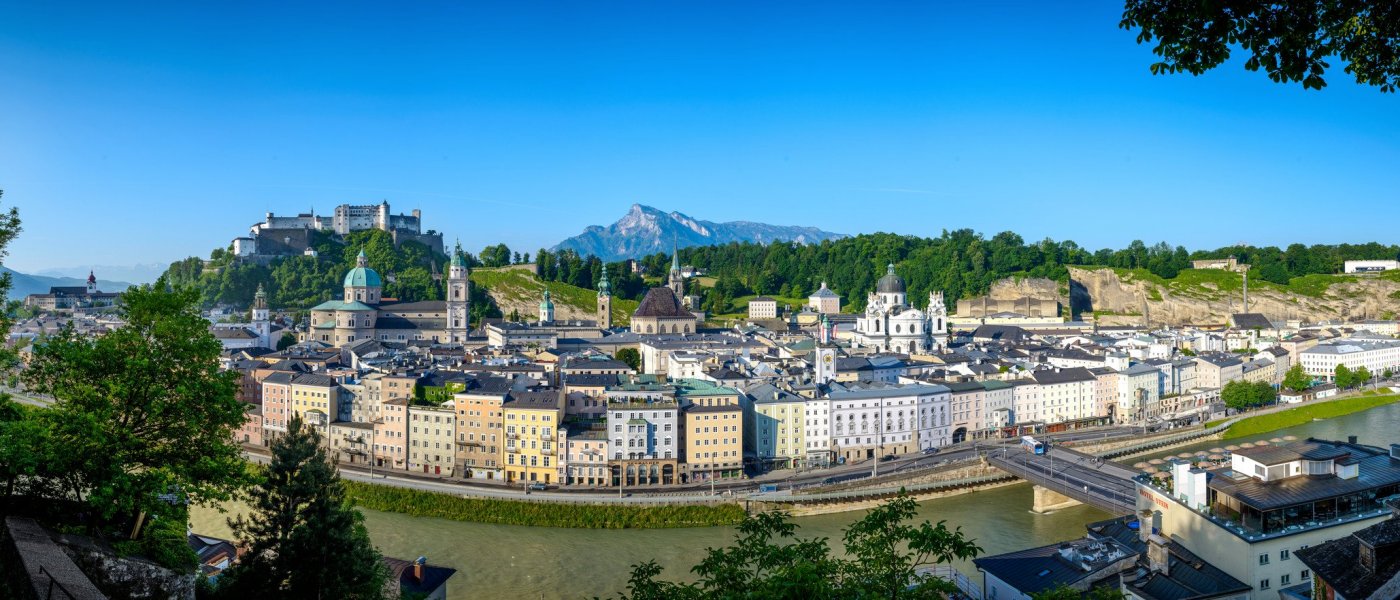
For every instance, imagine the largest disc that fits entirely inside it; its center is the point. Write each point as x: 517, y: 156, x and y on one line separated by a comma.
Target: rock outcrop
x: 1118, y: 297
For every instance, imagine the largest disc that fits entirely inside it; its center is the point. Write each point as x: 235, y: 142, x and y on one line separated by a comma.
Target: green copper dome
x: 362, y: 275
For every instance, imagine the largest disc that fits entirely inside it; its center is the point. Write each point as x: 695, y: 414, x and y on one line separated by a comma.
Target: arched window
x: 896, y: 328
x: 648, y: 327
x: 877, y: 327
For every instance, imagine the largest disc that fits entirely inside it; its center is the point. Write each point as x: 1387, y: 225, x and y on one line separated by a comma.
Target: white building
x: 1060, y: 395
x: 1370, y: 266
x: 1377, y: 354
x: 824, y: 301
x: 859, y: 408
x: 890, y: 324
x: 817, y: 422
x: 763, y: 307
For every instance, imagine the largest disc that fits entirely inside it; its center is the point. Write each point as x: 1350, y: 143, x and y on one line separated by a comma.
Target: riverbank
x: 419, y: 503
x: 1305, y: 413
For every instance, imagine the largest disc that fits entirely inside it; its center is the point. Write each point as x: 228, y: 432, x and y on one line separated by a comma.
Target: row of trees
x: 961, y: 263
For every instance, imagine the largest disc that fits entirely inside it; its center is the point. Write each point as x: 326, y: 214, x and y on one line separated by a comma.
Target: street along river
x: 504, y: 561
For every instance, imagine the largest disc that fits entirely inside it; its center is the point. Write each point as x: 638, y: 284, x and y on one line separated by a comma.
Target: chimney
x: 1158, y: 557
x: 418, y: 568
x: 1144, y: 525
x: 1351, y: 439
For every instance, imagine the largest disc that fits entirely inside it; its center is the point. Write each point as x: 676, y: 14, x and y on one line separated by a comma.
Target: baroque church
x: 663, y: 309
x: 890, y: 324
x: 364, y: 314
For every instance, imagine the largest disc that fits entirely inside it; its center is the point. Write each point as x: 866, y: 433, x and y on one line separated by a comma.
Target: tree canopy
x: 1292, y: 41
x: 1240, y: 394
x: 767, y: 560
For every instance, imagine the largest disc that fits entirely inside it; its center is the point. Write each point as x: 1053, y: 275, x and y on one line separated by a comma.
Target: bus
x: 1031, y: 445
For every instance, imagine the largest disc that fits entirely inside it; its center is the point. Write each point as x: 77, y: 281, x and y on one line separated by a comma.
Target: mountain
x: 144, y: 273
x: 645, y: 230
x: 22, y: 285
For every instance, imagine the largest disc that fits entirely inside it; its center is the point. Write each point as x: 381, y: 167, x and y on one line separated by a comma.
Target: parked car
x: 928, y: 451
x: 888, y: 457
x: 538, y: 487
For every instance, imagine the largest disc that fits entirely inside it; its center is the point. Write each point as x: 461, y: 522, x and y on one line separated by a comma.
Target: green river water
x: 505, y: 561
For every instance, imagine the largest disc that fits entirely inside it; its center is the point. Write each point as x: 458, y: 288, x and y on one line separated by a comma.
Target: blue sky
x: 142, y: 132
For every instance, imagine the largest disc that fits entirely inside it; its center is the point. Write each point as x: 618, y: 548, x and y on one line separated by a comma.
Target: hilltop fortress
x: 285, y: 236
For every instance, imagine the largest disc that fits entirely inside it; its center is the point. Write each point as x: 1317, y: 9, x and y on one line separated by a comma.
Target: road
x: 1086, y: 478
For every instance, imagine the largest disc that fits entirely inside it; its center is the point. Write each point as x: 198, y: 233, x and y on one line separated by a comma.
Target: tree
x: 1388, y: 374
x: 1064, y: 592
x: 631, y: 357
x: 1292, y: 40
x: 1240, y: 394
x: 1343, y: 377
x: 144, y: 410
x: 1361, y: 376
x: 767, y: 561
x: 1295, y: 379
x: 304, y: 538
x: 286, y: 341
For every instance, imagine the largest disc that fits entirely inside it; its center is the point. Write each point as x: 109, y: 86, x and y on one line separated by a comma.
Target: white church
x: 890, y: 324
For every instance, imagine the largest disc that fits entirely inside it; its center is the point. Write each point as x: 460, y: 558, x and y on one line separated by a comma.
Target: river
x: 505, y: 561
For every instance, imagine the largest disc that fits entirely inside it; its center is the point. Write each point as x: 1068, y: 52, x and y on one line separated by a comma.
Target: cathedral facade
x: 890, y: 324
x: 361, y: 314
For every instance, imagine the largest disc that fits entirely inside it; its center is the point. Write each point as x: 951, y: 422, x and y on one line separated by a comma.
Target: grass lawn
x: 520, y: 285
x: 1304, y: 414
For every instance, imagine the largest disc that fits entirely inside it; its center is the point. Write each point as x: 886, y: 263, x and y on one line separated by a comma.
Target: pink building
x: 251, y: 432
x: 277, y: 401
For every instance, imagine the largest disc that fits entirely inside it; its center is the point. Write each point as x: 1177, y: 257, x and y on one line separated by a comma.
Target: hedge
x: 419, y: 503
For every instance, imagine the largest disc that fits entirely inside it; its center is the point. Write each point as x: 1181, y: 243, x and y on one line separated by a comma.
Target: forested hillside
x: 961, y: 263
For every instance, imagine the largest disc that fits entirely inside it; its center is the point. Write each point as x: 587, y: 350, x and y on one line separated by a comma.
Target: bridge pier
x: 1047, y: 500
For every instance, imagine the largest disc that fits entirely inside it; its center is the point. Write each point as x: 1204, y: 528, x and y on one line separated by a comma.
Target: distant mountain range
x: 645, y: 230
x: 144, y: 273
x: 22, y: 285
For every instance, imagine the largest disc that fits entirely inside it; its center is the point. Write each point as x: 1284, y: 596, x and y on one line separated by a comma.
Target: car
x: 888, y: 457
x: 538, y: 487
x: 928, y: 451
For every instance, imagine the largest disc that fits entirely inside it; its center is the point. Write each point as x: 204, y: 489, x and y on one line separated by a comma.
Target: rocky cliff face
x: 1125, y: 298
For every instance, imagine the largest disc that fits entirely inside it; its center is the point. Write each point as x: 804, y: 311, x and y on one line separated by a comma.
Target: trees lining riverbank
x: 420, y: 503
x: 1306, y: 413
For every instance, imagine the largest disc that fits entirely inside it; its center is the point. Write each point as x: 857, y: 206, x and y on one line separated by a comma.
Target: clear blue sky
x: 141, y: 132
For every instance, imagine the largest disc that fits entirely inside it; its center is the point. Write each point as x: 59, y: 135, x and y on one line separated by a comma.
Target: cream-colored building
x: 713, y: 430
x: 763, y: 307
x: 824, y: 301
x: 431, y: 430
x: 778, y: 432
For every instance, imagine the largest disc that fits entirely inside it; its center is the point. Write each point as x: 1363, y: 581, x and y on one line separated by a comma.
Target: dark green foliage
x: 301, y: 282
x: 1343, y: 377
x: 304, y: 538
x: 960, y: 263
x: 1295, y: 379
x: 1241, y: 394
x: 1292, y: 40
x: 767, y: 560
x: 541, y: 514
x: 1064, y: 592
x: 495, y: 256
x: 631, y: 357
x: 141, y: 411
x: 287, y: 340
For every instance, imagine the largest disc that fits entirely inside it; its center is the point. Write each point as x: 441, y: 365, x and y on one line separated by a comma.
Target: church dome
x: 890, y: 283
x: 362, y: 275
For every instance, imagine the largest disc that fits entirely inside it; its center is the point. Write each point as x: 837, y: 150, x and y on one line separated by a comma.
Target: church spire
x: 457, y: 259
x: 604, y: 288
x: 362, y: 260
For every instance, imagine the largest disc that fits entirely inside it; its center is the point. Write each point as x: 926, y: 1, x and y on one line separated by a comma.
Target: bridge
x: 1063, y: 477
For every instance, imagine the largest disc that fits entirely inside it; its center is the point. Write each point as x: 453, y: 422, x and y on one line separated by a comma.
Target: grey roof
x: 1057, y: 376
x: 1035, y: 570
x: 1008, y: 333
x: 1338, y: 563
x: 314, y: 379
x: 890, y: 283
x: 1188, y: 576
x: 533, y: 399
x: 661, y: 302
x: 1375, y: 470
x: 421, y: 306
x: 1251, y: 321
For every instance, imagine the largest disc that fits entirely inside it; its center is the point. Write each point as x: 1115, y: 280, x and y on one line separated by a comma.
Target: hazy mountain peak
x: 646, y: 230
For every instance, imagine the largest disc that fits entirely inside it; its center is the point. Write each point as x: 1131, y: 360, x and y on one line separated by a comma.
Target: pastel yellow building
x: 778, y: 428
x: 531, y: 451
x: 316, y: 399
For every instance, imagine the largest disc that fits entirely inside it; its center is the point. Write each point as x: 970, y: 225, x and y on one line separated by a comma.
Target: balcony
x: 512, y: 450
x: 549, y: 451
x: 511, y: 435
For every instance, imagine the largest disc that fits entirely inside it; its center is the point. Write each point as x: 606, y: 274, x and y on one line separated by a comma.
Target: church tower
x: 458, y: 294
x: 261, y: 326
x: 937, y: 314
x: 546, y: 309
x: 91, y: 283
x: 675, y: 281
x: 604, y: 301
x: 826, y: 355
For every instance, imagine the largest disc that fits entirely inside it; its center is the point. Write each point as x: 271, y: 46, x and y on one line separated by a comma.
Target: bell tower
x: 604, y: 300
x: 261, y: 326
x: 458, y: 297
x: 675, y: 281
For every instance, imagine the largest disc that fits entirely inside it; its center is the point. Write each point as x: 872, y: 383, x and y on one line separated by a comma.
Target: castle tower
x: 604, y: 301
x: 458, y: 297
x: 91, y: 283
x: 675, y: 281
x: 261, y: 326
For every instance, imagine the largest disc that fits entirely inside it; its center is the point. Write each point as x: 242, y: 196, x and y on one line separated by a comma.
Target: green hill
x: 517, y: 289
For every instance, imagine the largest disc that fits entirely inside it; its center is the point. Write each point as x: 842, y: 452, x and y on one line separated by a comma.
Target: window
x: 1283, y: 555
x: 1263, y: 559
x: 1304, y: 574
x: 1263, y: 584
x: 1283, y: 579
